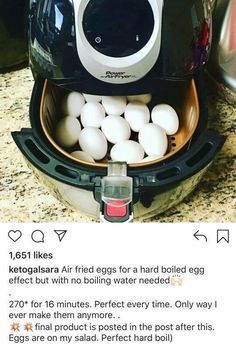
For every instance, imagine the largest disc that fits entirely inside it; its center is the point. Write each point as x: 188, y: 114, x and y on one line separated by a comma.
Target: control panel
x: 118, y: 28
x: 118, y: 41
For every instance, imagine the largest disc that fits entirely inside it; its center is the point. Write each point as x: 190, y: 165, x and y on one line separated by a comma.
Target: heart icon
x: 14, y: 235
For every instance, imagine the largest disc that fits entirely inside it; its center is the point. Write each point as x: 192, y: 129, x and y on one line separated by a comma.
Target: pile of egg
x: 103, y: 125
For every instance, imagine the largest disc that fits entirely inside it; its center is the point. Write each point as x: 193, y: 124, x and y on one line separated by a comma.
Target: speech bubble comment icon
x: 37, y: 236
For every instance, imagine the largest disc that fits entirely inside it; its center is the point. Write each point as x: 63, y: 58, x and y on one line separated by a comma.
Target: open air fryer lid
x: 118, y: 46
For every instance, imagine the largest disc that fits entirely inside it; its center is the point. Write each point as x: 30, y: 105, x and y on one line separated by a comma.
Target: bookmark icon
x: 223, y: 235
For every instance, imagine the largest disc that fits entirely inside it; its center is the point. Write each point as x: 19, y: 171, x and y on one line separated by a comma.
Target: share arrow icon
x: 197, y: 236
x: 60, y: 234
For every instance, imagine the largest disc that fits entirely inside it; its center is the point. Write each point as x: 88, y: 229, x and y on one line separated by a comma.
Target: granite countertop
x: 24, y: 199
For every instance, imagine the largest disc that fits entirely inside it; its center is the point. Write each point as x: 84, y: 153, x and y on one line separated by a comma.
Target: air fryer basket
x: 156, y: 186
x: 185, y: 102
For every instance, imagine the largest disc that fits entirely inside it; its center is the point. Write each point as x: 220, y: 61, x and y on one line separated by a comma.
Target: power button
x: 98, y: 40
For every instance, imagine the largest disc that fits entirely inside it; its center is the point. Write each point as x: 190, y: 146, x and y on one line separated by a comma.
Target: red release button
x: 116, y: 209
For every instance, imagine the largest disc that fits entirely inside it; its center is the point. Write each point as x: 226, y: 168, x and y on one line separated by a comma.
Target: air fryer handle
x: 201, y: 154
x: 37, y: 153
x: 116, y: 194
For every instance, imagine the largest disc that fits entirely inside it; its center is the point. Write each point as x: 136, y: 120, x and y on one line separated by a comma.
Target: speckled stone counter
x: 24, y: 199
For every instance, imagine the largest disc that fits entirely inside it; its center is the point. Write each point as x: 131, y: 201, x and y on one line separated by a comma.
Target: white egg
x: 143, y: 98
x: 82, y: 156
x: 137, y: 115
x: 67, y: 131
x: 72, y: 104
x: 92, y: 115
x: 92, y: 98
x: 93, y: 142
x: 151, y: 158
x: 153, y: 139
x: 129, y: 151
x: 166, y: 117
x: 114, y: 105
x: 116, y: 129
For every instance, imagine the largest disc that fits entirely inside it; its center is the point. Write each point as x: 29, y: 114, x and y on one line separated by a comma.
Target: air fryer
x: 120, y: 47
